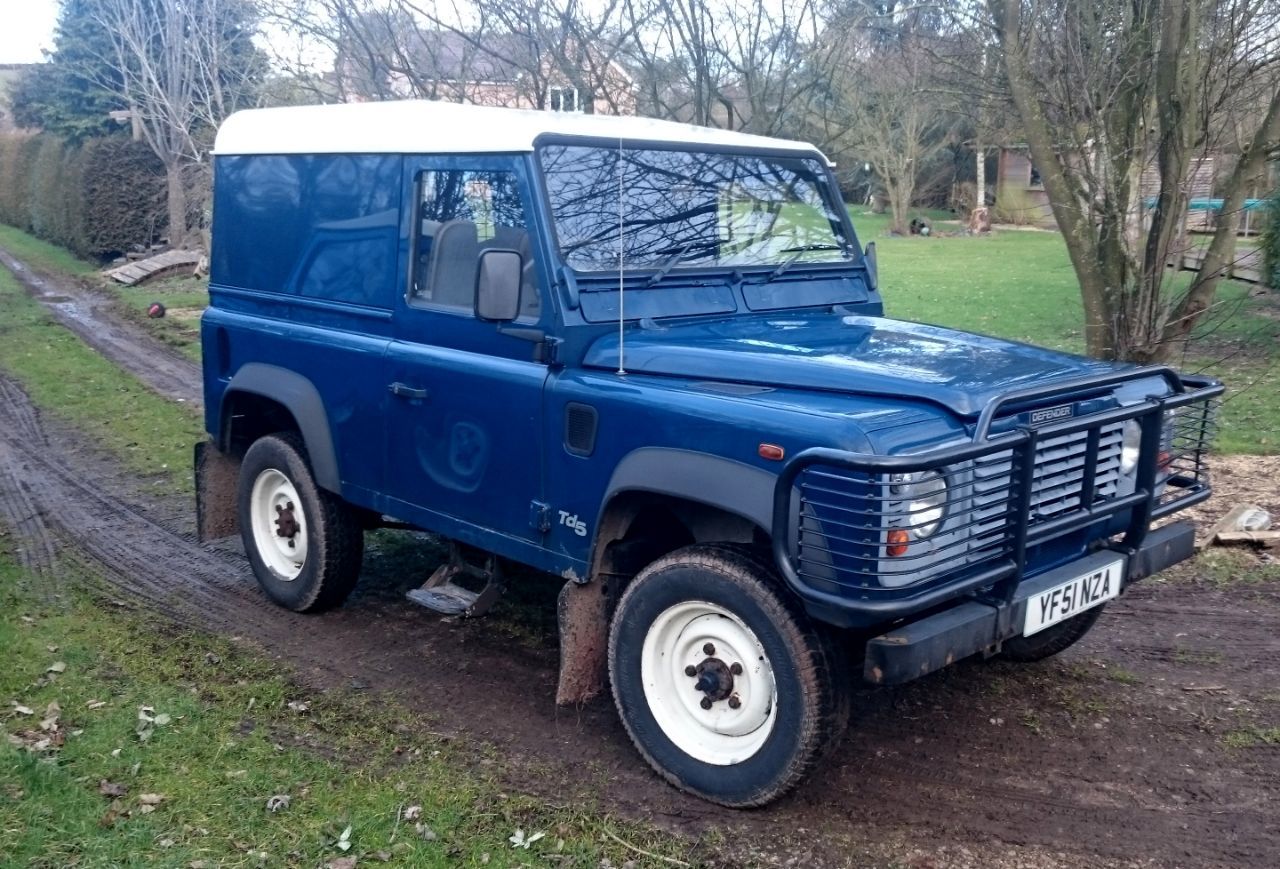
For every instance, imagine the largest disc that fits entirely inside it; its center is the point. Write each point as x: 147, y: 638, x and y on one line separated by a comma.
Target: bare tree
x: 503, y: 52
x: 1110, y: 88
x: 740, y: 64
x: 185, y: 65
x: 883, y: 109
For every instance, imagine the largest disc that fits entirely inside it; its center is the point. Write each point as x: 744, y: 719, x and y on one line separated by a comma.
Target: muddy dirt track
x: 1112, y: 754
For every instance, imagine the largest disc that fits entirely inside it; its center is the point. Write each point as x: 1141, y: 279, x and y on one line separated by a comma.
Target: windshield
x: 685, y: 208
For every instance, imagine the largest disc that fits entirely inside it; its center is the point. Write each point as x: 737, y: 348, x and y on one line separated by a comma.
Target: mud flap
x: 584, y: 641
x: 217, y: 476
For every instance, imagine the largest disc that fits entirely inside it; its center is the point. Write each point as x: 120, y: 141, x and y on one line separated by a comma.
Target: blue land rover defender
x: 652, y: 359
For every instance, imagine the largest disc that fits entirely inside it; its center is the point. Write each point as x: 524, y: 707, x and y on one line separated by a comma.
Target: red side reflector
x: 898, y: 540
x: 773, y: 452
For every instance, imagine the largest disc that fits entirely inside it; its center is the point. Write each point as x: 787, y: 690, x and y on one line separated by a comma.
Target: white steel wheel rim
x: 677, y: 640
x: 281, y: 547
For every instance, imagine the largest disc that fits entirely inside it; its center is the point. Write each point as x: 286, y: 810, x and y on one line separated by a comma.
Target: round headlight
x: 1130, y: 447
x: 925, y: 494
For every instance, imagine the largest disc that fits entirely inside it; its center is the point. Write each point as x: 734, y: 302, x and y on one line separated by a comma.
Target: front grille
x: 845, y: 516
x: 1061, y: 471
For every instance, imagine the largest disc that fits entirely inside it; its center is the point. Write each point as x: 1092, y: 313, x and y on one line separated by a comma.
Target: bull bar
x: 1167, y: 477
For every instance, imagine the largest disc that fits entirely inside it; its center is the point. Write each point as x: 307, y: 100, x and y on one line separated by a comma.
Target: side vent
x: 580, y: 423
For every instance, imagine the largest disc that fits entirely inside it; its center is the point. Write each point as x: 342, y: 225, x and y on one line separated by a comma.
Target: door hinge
x: 540, y: 516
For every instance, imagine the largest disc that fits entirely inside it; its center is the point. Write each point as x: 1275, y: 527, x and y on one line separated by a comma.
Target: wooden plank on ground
x: 137, y: 272
x: 1265, y: 539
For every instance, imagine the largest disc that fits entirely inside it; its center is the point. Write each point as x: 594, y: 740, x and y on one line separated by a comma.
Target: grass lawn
x: 1019, y: 284
x: 132, y: 742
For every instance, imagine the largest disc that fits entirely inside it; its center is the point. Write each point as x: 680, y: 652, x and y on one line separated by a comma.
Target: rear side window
x: 321, y: 226
x: 461, y: 213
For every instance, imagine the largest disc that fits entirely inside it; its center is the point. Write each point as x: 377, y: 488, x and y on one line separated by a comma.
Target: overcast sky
x: 26, y: 26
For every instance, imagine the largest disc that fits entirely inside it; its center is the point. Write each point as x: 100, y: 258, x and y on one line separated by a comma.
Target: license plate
x: 1071, y: 598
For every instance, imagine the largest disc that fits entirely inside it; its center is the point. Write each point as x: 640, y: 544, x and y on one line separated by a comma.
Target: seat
x: 455, y: 256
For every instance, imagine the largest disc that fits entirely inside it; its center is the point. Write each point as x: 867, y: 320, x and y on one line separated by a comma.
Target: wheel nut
x: 736, y: 669
x: 734, y: 702
x: 691, y: 670
x: 708, y: 649
x: 706, y: 703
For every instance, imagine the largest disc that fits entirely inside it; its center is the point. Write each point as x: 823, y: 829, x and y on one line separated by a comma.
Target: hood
x: 851, y: 354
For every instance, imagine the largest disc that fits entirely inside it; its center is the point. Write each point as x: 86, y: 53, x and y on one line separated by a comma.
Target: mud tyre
x: 1051, y: 641
x: 305, y: 544
x: 722, y: 682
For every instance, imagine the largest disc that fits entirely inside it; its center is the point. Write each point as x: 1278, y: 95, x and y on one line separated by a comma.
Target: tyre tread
x: 819, y: 667
x: 338, y: 536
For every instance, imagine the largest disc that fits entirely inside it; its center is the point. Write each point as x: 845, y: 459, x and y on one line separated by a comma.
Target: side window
x: 461, y: 213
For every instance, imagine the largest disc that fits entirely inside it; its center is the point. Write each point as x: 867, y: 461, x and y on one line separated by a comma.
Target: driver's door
x: 464, y: 429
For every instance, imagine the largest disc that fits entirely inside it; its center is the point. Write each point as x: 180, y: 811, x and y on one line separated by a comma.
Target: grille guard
x: 997, y: 572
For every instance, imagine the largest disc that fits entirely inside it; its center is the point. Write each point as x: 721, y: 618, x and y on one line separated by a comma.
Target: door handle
x: 403, y: 390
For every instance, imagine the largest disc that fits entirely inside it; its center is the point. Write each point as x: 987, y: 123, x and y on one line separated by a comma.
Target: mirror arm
x: 546, y: 347
x: 524, y: 333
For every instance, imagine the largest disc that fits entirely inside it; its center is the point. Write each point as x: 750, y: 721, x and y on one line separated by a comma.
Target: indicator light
x: 898, y: 540
x: 772, y: 452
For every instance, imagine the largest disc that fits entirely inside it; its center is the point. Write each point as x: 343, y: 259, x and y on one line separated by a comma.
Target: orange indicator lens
x: 898, y: 541
x: 773, y: 452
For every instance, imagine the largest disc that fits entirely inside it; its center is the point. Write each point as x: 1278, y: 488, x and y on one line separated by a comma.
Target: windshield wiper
x: 670, y: 263
x: 805, y: 248
x: 797, y: 252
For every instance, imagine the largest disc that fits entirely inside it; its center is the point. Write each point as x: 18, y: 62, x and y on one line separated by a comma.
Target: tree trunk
x: 899, y: 204
x: 1064, y: 193
x: 177, y: 200
x: 980, y: 172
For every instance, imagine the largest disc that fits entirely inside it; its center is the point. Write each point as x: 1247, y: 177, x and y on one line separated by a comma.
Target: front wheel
x: 724, y: 686
x: 305, y: 544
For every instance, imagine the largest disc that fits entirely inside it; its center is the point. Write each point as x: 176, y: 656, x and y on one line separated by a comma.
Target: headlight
x: 925, y: 497
x: 1130, y: 447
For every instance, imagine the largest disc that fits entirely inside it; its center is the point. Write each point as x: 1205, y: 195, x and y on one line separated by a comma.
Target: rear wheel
x: 305, y: 544
x: 724, y: 686
x: 1051, y: 641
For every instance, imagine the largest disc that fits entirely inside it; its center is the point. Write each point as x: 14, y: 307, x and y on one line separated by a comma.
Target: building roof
x: 429, y: 127
x: 450, y: 56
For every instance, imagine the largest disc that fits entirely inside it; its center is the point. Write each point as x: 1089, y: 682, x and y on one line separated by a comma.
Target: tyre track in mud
x: 930, y: 766
x: 17, y: 508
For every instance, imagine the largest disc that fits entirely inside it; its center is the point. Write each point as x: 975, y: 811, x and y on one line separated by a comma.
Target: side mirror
x: 498, y: 285
x: 873, y: 270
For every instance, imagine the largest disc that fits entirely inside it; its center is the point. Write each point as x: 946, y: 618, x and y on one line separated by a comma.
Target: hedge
x: 99, y: 200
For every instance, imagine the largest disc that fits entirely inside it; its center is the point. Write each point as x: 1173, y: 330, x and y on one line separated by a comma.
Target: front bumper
x: 912, y: 650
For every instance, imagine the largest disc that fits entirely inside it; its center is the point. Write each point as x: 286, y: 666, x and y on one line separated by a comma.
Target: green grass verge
x: 42, y: 255
x: 223, y: 740
x: 185, y: 299
x: 63, y: 376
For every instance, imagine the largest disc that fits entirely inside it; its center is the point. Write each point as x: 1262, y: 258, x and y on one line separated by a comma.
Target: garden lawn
x: 1019, y: 284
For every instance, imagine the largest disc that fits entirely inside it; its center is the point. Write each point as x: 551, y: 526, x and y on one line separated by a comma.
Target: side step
x: 441, y: 594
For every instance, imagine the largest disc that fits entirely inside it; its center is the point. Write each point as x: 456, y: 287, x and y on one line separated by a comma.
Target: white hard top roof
x: 428, y: 127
